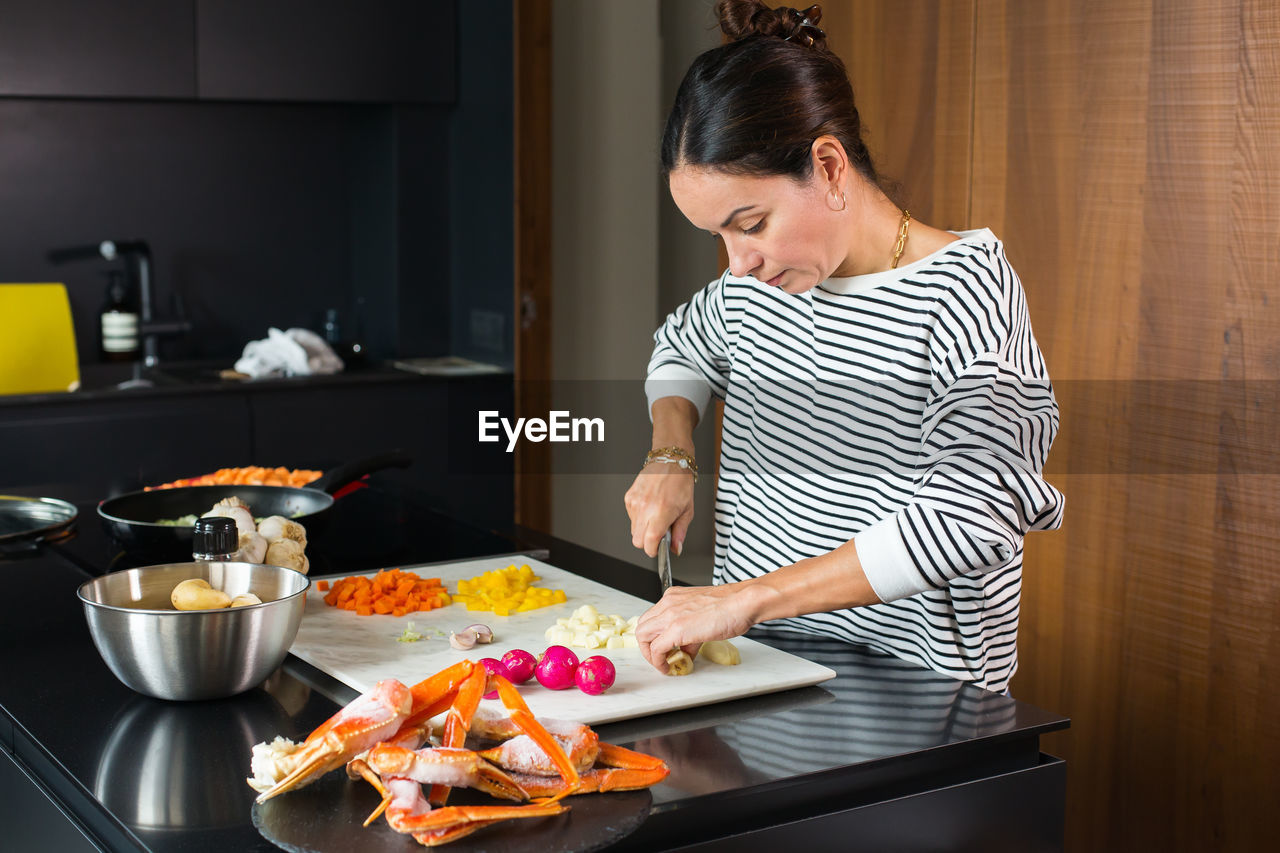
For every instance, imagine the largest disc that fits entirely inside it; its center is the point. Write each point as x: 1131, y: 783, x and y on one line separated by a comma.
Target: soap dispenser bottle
x: 118, y: 322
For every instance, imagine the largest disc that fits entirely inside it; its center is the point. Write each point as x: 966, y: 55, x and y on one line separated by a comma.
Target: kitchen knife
x: 664, y: 562
x: 678, y: 661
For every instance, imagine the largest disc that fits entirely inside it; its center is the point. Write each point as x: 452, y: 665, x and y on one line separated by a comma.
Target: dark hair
x: 754, y: 106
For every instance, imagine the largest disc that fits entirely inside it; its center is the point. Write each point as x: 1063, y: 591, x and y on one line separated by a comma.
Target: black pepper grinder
x: 215, y: 540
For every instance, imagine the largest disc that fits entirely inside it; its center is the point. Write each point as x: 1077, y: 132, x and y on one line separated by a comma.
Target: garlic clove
x: 484, y: 634
x: 463, y: 640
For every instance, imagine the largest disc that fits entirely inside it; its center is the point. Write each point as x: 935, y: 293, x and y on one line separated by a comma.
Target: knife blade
x: 678, y: 662
x: 664, y: 562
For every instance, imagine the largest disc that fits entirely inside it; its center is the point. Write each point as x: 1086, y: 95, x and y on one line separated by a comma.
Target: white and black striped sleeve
x: 692, y: 350
x: 989, y: 421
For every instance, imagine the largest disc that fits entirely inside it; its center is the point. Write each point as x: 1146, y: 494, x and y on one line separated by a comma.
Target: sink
x: 193, y: 372
x: 104, y: 377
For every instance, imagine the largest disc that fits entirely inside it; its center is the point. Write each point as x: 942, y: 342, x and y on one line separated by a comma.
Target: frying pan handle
x: 340, y: 476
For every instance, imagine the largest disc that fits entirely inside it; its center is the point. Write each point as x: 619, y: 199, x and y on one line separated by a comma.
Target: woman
x: 887, y: 407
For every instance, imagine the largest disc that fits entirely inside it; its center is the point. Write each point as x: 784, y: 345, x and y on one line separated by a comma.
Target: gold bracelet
x: 673, y: 456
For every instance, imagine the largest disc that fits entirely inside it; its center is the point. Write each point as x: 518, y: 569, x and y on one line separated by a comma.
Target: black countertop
x: 143, y: 774
x: 101, y: 381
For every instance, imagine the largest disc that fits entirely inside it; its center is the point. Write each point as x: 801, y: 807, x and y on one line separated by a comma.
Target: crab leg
x: 465, y: 705
x: 455, y: 767
x: 617, y: 756
x: 435, y: 694
x: 409, y: 737
x: 529, y: 724
x: 596, y: 780
x: 622, y: 770
x: 523, y: 755
x: 458, y: 720
x: 409, y: 812
x: 367, y: 720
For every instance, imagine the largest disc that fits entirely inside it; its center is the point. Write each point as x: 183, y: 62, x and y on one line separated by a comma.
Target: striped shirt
x: 909, y: 410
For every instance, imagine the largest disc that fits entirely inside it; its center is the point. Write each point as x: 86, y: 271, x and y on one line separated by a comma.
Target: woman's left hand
x: 689, y: 616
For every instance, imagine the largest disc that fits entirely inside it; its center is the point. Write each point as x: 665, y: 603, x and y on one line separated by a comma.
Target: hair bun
x: 741, y: 19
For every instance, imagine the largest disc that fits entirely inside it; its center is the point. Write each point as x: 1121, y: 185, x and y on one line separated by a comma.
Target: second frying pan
x: 132, y: 519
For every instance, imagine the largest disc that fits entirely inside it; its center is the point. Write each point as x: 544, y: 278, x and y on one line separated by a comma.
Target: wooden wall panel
x: 1128, y: 153
x: 532, y: 287
x: 911, y: 65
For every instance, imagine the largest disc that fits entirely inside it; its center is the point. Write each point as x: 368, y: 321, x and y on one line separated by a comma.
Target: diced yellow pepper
x: 506, y: 591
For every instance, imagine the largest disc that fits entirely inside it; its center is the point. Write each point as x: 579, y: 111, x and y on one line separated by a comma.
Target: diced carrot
x: 389, y: 591
x: 323, y: 586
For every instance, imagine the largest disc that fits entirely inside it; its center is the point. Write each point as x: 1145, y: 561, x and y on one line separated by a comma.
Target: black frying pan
x: 131, y: 518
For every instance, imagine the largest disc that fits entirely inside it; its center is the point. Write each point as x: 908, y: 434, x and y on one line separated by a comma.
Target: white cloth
x: 297, y: 352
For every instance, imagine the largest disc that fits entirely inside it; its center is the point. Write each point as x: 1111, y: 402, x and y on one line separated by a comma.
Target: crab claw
x: 370, y: 718
x: 458, y: 768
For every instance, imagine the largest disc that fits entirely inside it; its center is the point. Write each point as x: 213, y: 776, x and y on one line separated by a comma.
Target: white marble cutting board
x: 362, y: 650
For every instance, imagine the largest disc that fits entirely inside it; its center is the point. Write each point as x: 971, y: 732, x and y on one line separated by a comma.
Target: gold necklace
x: 902, y: 239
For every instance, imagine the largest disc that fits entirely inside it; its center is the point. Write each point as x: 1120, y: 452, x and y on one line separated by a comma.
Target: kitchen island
x: 884, y: 756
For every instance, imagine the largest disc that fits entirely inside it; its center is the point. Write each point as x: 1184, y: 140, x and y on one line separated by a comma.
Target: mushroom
x: 253, y: 548
x: 288, y: 554
x: 276, y: 527
x: 238, y: 513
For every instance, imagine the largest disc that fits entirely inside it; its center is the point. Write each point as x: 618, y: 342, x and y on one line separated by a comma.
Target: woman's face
x: 774, y: 228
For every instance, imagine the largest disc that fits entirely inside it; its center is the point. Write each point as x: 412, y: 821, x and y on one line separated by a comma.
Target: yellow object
x: 506, y: 591
x: 720, y: 651
x: 37, y: 340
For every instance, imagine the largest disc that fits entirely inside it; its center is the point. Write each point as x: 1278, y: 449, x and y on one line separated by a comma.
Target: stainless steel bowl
x: 193, y: 654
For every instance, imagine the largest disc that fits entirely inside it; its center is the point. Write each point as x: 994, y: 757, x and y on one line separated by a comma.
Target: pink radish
x: 520, y: 664
x: 595, y: 675
x: 495, y: 667
x: 556, y: 668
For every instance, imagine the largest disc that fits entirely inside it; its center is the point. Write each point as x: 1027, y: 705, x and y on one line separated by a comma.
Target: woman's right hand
x: 660, y: 499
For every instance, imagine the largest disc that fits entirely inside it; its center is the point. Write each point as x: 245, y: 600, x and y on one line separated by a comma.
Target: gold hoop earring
x: 831, y: 199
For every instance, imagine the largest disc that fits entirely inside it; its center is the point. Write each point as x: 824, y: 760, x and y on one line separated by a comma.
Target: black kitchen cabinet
x: 377, y: 51
x: 434, y: 421
x: 109, y: 442
x: 32, y: 818
x: 330, y: 51
x: 113, y: 445
x: 87, y: 48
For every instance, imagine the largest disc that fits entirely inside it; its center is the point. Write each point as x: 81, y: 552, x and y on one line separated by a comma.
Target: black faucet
x: 137, y: 256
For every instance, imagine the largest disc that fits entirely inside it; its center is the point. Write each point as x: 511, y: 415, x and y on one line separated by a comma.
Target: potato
x: 679, y: 663
x: 721, y: 651
x: 589, y: 629
x: 196, y: 594
x: 244, y: 599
